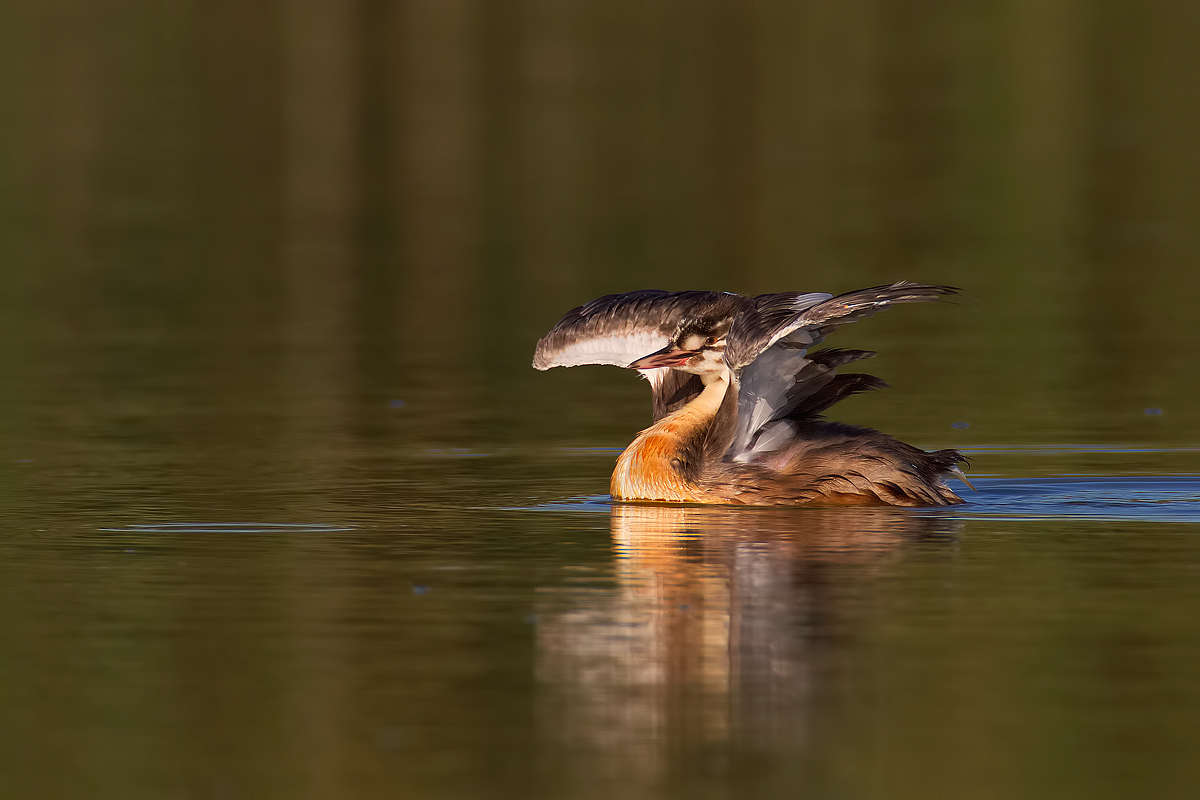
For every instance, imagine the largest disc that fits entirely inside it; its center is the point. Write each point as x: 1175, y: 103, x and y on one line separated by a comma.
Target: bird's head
x: 697, y: 346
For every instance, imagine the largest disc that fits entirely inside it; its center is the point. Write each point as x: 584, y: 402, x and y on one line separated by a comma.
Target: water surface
x: 284, y: 511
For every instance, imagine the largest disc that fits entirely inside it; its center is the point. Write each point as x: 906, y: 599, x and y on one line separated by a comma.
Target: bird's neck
x: 665, y: 460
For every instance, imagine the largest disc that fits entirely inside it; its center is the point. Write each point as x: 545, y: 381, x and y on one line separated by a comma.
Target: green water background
x: 286, y: 263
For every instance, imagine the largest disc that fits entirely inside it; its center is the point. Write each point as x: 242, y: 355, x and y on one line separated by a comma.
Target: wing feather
x: 786, y: 383
x: 807, y: 319
x: 618, y: 329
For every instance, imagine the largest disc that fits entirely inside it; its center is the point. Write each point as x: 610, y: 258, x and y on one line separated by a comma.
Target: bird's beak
x: 667, y: 357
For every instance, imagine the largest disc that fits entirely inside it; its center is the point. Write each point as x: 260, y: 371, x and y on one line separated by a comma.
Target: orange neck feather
x: 645, y: 470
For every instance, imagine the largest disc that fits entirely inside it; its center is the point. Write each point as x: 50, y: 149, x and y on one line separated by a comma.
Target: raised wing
x: 806, y: 319
x: 765, y: 320
x: 780, y: 381
x: 863, y: 303
x: 618, y: 329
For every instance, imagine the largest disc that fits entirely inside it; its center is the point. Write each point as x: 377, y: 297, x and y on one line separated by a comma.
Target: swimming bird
x: 737, y: 398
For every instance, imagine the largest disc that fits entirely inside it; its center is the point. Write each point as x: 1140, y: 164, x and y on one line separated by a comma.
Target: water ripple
x: 228, y: 527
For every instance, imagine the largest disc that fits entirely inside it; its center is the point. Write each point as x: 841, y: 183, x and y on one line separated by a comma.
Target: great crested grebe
x: 737, y: 398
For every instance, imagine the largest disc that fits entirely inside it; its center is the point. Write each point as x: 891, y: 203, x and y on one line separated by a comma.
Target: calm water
x: 284, y: 512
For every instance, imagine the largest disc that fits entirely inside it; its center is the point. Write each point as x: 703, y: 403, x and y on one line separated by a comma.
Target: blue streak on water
x: 1145, y: 499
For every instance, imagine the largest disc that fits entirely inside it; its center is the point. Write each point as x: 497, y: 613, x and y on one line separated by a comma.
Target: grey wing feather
x: 863, y: 303
x: 767, y: 349
x: 807, y: 319
x: 766, y: 320
x: 786, y: 383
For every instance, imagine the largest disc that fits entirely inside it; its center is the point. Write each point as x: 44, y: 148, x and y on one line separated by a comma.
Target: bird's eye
x: 676, y: 463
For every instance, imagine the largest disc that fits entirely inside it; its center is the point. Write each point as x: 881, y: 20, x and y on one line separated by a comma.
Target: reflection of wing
x: 620, y: 328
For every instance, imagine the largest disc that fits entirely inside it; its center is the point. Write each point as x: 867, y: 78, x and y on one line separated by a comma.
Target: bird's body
x: 737, y: 399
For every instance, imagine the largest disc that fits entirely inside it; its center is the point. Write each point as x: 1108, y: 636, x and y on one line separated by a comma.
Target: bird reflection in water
x: 715, y: 642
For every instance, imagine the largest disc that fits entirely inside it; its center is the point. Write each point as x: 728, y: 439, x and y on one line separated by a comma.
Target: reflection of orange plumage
x: 738, y: 398
x: 723, y: 622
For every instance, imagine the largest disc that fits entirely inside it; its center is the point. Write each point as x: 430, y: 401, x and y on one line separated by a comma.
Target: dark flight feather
x: 807, y: 319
